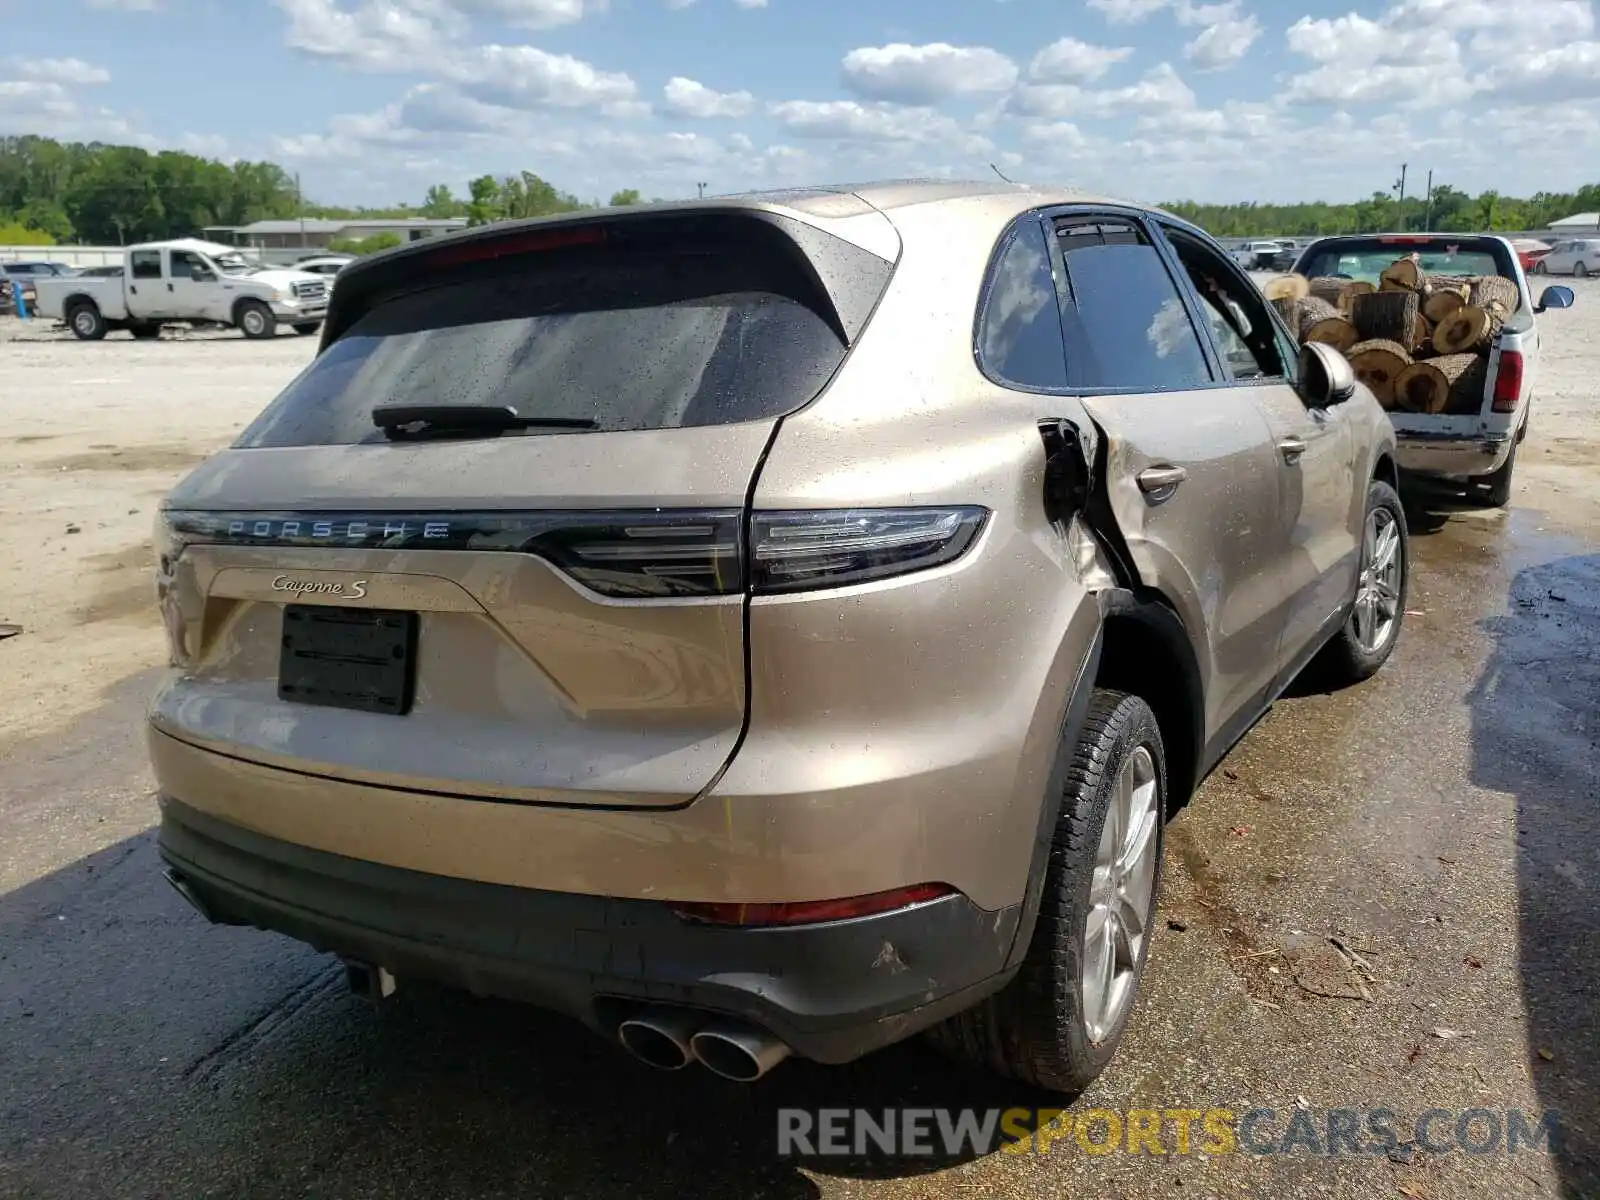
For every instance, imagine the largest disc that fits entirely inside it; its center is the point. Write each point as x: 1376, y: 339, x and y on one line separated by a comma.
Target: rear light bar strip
x: 641, y: 554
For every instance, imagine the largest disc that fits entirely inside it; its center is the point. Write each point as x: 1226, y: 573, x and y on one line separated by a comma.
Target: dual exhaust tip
x: 671, y: 1040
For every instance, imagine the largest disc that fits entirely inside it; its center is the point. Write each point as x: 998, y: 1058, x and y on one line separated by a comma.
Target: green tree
x: 625, y: 197
x: 371, y: 245
x: 486, y: 203
x: 440, y: 203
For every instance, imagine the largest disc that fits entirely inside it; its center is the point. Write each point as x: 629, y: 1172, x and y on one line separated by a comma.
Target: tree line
x: 1450, y: 211
x: 96, y: 194
x: 102, y: 194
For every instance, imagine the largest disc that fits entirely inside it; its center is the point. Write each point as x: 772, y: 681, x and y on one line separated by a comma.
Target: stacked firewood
x: 1420, y: 342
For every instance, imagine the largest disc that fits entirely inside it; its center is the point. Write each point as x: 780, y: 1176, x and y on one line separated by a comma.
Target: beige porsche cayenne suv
x: 767, y: 625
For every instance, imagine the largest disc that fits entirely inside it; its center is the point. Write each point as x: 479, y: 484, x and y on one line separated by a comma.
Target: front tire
x: 1368, y: 635
x: 255, y: 319
x: 1057, y: 1023
x: 306, y: 328
x: 87, y: 323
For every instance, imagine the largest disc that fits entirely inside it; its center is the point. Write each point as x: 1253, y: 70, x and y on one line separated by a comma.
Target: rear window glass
x: 1366, y: 261
x: 641, y: 341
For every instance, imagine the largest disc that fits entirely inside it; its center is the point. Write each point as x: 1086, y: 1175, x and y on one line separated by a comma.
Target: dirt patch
x: 135, y: 458
x: 30, y: 438
x: 1571, y: 452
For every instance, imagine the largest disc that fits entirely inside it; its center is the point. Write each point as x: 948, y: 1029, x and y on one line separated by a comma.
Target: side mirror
x: 1326, y: 377
x: 1555, y: 296
x: 201, y: 275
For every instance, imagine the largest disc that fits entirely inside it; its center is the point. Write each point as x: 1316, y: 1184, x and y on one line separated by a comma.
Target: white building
x: 1588, y: 222
x: 316, y: 233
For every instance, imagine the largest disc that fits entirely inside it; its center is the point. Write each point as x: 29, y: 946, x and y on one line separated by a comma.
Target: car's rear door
x: 1320, y: 502
x: 546, y: 615
x: 1190, y: 473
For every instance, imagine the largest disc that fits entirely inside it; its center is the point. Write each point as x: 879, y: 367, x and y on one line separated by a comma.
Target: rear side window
x: 146, y: 264
x: 1019, y: 336
x: 1125, y: 322
x: 645, y: 339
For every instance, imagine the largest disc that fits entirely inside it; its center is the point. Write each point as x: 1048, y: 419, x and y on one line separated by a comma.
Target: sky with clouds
x: 373, y: 100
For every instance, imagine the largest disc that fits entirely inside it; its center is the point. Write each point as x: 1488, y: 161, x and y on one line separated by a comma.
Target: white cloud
x: 51, y: 109
x: 1068, y: 60
x: 907, y: 74
x: 1128, y: 12
x: 525, y: 76
x: 374, y: 36
x: 531, y: 14
x: 61, y: 70
x: 1161, y: 89
x: 847, y: 120
x: 689, y: 98
x: 1224, y: 41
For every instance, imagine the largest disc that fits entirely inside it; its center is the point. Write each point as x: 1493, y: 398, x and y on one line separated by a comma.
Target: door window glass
x: 1234, y: 309
x: 1125, y: 323
x: 184, y: 261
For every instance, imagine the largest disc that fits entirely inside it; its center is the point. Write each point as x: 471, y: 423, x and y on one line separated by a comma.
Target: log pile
x: 1420, y: 342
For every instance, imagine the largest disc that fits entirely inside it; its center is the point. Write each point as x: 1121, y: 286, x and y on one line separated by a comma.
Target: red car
x: 1529, y: 251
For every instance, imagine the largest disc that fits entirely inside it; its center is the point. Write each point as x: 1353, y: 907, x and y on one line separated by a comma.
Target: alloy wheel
x: 1121, y: 894
x: 1378, y: 593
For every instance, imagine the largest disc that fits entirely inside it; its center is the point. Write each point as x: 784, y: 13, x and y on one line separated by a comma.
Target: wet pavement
x: 1442, y: 822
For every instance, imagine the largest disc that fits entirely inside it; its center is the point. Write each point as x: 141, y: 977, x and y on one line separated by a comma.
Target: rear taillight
x: 811, y: 912
x: 797, y: 551
x: 1507, y: 382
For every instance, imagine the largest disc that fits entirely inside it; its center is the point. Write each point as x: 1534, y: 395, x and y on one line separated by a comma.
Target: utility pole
x: 1402, y: 186
x: 702, y: 188
x: 300, y: 208
x: 1427, y: 216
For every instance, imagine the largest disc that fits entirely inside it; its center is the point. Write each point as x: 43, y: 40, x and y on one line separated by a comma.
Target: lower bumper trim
x: 831, y: 991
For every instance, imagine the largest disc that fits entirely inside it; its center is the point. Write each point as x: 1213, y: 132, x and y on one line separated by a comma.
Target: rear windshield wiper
x: 403, y: 421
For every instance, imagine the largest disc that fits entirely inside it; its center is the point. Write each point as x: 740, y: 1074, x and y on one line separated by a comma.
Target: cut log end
x: 1468, y: 328
x: 1378, y: 363
x: 1291, y: 286
x: 1450, y: 384
x: 1332, y: 331
x: 1402, y: 275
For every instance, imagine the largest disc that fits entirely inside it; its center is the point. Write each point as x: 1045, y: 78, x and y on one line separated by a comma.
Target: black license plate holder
x: 357, y: 658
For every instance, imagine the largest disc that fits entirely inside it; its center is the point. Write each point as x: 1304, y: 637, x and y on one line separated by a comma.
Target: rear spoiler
x: 839, y: 287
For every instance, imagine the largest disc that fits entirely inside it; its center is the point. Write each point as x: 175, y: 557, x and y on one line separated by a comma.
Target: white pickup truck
x: 186, y: 281
x: 1478, y: 448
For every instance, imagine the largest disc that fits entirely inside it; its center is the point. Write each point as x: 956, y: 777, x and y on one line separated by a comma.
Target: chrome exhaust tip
x: 660, y: 1038
x: 737, y: 1052
x: 186, y: 890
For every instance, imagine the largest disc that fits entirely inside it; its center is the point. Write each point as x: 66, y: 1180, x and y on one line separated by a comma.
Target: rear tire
x: 1579, y: 271
x: 1354, y: 654
x: 1540, y: 269
x: 1494, y: 490
x: 1037, y: 1029
x: 255, y: 319
x: 87, y: 324
x: 307, y: 327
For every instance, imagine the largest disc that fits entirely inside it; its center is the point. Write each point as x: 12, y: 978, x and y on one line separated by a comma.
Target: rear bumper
x: 832, y: 992
x: 1453, y: 455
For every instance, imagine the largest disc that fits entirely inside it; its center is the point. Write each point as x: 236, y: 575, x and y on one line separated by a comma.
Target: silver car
x: 1576, y: 256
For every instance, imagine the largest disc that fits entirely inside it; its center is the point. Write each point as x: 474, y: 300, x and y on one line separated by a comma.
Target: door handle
x: 1292, y: 448
x: 169, y: 287
x: 1155, y: 480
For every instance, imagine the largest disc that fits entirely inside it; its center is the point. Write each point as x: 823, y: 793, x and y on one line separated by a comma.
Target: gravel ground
x: 1440, y: 821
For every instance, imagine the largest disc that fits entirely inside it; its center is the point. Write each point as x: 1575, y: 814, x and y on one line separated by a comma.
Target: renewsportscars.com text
x: 962, y: 1132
